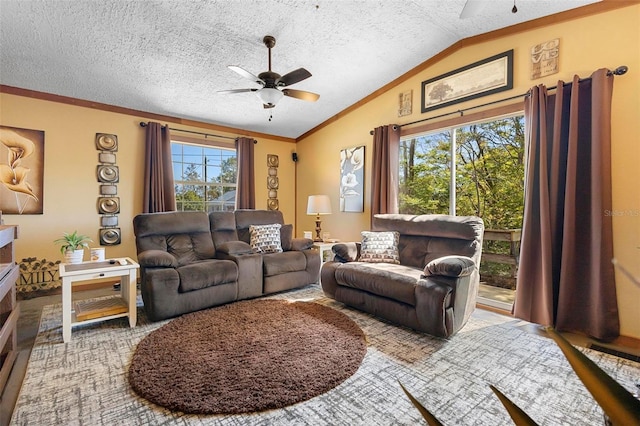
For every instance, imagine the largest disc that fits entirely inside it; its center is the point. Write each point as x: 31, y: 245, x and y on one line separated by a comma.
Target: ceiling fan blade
x: 237, y: 91
x: 246, y: 74
x: 301, y: 94
x: 293, y: 77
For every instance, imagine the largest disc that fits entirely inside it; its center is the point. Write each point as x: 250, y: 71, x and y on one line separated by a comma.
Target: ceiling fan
x: 274, y: 86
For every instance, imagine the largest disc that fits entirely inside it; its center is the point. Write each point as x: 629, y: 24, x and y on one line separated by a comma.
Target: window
x: 475, y: 169
x: 204, y: 176
x: 472, y: 169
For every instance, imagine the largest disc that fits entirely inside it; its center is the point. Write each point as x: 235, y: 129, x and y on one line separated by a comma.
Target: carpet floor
x: 84, y: 382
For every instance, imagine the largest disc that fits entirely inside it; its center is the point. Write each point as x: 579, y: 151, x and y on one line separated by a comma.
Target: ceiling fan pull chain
x: 514, y: 9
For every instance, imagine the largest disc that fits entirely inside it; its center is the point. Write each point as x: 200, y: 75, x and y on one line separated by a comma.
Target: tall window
x: 475, y: 169
x: 205, y: 177
x: 472, y: 169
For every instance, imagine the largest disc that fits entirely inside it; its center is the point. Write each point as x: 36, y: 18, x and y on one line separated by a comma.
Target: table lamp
x: 317, y: 205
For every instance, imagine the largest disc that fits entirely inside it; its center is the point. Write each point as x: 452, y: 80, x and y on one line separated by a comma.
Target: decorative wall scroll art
x: 108, y: 175
x: 352, y: 179
x: 272, y: 182
x: 544, y: 58
x: 482, y: 78
x: 405, y: 103
x: 21, y: 170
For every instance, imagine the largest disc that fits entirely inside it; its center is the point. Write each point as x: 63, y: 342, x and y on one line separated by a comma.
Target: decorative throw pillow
x: 380, y: 247
x: 265, y: 238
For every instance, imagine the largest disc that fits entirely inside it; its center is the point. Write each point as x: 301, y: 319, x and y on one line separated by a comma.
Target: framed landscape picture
x: 482, y: 78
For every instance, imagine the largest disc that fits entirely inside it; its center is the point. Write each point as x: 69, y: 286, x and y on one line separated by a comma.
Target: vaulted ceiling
x: 170, y: 57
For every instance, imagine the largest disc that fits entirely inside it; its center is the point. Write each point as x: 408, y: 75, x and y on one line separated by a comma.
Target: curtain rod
x: 143, y: 124
x: 618, y: 71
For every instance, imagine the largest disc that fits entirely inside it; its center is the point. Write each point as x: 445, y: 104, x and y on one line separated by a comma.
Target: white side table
x: 73, y: 273
x: 325, y: 249
x: 325, y: 252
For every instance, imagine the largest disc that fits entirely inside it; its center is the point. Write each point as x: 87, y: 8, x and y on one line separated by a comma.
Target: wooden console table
x: 105, y: 309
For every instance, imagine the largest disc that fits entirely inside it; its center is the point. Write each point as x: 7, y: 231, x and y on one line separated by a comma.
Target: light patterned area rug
x: 84, y: 382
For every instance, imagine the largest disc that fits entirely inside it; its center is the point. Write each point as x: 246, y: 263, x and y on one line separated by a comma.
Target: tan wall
x: 70, y: 186
x: 606, y: 40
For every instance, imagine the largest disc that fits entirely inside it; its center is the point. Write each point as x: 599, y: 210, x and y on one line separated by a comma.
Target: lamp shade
x: 318, y: 204
x: 269, y: 96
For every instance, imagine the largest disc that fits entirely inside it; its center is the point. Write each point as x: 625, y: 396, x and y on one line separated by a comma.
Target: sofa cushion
x: 266, y: 238
x: 380, y: 247
x: 188, y: 248
x: 450, y: 266
x: 388, y: 280
x: 206, y: 273
x: 280, y: 263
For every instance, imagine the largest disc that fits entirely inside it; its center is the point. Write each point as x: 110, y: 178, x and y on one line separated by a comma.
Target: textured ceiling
x: 171, y: 57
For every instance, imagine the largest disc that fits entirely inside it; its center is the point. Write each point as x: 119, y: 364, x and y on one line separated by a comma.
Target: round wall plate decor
x: 273, y: 204
x: 106, y: 142
x: 109, y: 205
x: 272, y: 182
x: 272, y: 160
x: 109, y: 236
x: 108, y: 174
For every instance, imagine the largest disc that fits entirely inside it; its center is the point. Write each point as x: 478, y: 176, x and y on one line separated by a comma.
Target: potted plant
x: 72, y: 246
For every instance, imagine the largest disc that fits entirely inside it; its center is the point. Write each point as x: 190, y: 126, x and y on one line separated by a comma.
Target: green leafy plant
x: 73, y: 241
x: 618, y: 404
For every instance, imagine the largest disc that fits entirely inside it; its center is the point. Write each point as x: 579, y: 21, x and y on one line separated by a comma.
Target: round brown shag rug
x: 246, y: 356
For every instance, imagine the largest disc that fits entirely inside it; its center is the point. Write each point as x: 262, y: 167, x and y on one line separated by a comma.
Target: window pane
x: 490, y: 172
x: 199, y: 172
x: 425, y: 173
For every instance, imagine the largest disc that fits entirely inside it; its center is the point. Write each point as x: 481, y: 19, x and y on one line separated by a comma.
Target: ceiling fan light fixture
x: 269, y: 96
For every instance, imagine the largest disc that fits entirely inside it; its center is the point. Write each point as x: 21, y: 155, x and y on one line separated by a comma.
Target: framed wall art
x: 352, y: 179
x: 21, y: 170
x: 482, y: 78
x: 544, y: 58
x: 405, y: 103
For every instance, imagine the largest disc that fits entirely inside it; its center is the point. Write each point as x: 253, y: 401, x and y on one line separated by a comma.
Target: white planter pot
x: 74, y: 256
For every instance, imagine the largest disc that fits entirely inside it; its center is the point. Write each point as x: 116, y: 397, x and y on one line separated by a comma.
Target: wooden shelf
x: 9, y: 310
x: 91, y: 309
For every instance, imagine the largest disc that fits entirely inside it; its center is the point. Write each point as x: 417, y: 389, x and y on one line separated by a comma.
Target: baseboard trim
x: 614, y: 352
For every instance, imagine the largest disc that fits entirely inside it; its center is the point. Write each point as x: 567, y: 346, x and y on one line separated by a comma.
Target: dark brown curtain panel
x: 159, y: 192
x: 384, y: 170
x: 246, y: 183
x: 565, y: 277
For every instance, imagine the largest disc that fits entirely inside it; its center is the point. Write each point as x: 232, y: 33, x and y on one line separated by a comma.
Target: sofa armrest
x: 249, y: 272
x: 346, y: 252
x: 433, y: 307
x: 300, y: 244
x: 234, y: 248
x: 157, y: 259
x: 450, y: 266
